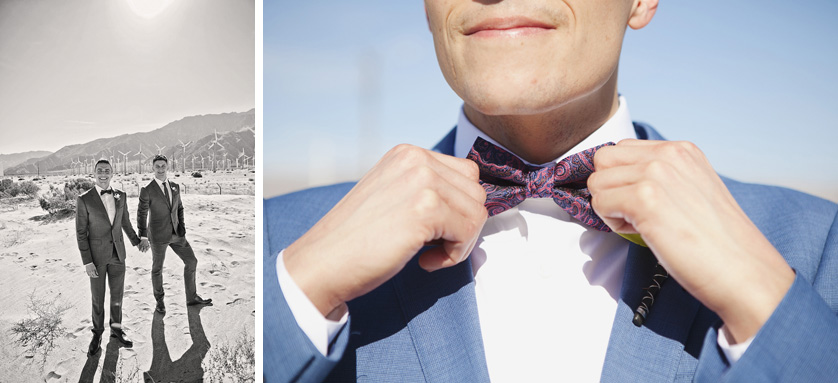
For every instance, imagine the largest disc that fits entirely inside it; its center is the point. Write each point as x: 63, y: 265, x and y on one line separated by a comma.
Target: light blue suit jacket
x: 422, y: 326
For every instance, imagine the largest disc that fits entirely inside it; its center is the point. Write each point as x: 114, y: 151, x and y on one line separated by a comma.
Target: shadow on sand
x: 187, y: 368
x: 108, y: 367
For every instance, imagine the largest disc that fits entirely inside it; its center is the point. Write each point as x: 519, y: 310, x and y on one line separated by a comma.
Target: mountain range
x: 194, y: 138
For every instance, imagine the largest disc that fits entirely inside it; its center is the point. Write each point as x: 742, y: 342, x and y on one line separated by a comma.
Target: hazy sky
x: 751, y: 82
x: 74, y: 71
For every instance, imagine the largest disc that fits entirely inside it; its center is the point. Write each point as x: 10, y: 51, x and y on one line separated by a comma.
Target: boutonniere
x: 116, y: 196
x: 173, y: 187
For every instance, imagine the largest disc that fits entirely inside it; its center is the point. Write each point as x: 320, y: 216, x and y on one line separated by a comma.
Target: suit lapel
x: 652, y: 352
x: 117, y: 202
x: 156, y: 187
x: 441, y: 313
x: 174, y: 189
x: 93, y: 199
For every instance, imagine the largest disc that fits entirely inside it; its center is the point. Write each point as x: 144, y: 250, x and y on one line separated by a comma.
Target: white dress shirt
x: 108, y: 201
x: 532, y: 264
x: 163, y: 185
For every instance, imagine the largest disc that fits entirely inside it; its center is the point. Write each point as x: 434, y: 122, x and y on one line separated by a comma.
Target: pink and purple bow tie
x: 508, y: 181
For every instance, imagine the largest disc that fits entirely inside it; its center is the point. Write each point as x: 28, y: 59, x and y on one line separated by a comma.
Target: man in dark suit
x: 101, y: 217
x: 160, y: 223
x: 403, y: 277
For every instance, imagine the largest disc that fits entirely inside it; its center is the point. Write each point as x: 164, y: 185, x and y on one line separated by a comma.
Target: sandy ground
x: 185, y: 345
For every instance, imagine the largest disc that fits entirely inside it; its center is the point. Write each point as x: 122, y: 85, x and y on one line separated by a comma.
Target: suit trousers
x: 114, y: 271
x: 183, y: 250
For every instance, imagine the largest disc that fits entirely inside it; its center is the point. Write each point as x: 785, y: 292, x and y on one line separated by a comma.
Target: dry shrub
x: 231, y: 362
x: 39, y: 333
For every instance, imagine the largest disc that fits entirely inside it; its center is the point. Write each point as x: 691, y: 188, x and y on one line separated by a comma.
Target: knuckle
x: 656, y: 169
x: 593, y: 182
x: 647, y: 193
x: 427, y: 202
x: 423, y: 175
x: 472, y: 171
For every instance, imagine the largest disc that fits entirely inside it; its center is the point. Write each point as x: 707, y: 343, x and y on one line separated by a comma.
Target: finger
x: 459, y: 234
x: 615, y: 177
x: 461, y: 165
x: 625, y: 209
x: 614, y: 156
x: 460, y: 173
x: 636, y: 142
x: 462, y: 202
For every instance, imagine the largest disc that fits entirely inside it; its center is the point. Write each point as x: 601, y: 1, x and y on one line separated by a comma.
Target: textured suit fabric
x: 163, y: 224
x: 423, y: 326
x: 155, y: 218
x: 100, y: 242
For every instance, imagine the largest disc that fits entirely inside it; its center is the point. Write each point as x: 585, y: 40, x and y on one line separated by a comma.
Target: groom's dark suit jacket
x: 155, y: 218
x: 95, y: 235
x: 422, y: 326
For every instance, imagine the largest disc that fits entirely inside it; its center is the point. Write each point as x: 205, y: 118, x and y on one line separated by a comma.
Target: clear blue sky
x: 751, y: 82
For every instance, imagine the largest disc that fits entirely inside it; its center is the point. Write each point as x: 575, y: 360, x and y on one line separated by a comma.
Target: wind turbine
x: 240, y: 156
x: 193, y: 162
x: 159, y: 149
x: 124, y: 161
x: 224, y: 153
x: 140, y: 157
x: 183, y: 147
x: 202, y: 161
x: 215, y: 142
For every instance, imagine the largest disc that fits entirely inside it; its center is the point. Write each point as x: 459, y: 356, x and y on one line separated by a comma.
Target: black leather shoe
x: 199, y: 301
x: 95, y: 345
x: 121, y: 337
x: 161, y: 308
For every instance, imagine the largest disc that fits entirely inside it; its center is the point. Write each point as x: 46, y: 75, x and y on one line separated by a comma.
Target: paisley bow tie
x: 508, y: 181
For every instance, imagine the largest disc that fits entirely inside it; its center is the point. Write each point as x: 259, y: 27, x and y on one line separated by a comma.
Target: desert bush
x: 56, y: 200
x: 197, y: 175
x: 38, y: 334
x: 231, y: 362
x: 6, y: 183
x: 80, y: 185
x: 23, y: 188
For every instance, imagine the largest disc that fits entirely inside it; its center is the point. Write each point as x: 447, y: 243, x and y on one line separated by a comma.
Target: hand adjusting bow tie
x: 508, y: 181
x: 103, y: 192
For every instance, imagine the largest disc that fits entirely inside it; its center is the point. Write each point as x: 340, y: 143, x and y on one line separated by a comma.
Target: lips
x: 507, y: 26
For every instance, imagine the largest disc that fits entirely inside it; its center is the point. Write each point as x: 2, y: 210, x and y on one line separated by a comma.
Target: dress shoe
x: 121, y: 337
x: 161, y: 308
x: 199, y: 301
x: 95, y: 345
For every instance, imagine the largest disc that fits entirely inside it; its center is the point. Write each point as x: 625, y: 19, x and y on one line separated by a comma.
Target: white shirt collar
x: 161, y: 183
x: 618, y: 127
x: 99, y: 189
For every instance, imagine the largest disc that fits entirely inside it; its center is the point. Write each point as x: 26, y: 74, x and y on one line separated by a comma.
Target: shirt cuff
x: 732, y: 352
x: 319, y: 330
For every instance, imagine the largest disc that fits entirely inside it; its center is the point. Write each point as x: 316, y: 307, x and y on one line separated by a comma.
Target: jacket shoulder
x: 289, y: 216
x: 797, y: 224
x: 85, y: 192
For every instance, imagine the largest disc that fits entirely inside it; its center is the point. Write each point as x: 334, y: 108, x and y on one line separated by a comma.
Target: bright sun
x: 148, y: 8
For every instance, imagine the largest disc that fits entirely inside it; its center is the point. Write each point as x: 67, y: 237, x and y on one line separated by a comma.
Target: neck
x: 541, y: 138
x: 103, y: 187
x: 161, y: 179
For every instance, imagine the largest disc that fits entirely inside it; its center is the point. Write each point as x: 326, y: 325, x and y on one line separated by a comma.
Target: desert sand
x: 186, y: 344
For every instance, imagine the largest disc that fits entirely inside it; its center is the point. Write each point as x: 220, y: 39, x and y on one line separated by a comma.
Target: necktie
x: 508, y: 181
x: 103, y: 192
x: 166, y: 192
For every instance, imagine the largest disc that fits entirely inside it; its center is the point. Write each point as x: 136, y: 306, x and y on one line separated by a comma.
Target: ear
x: 642, y: 12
